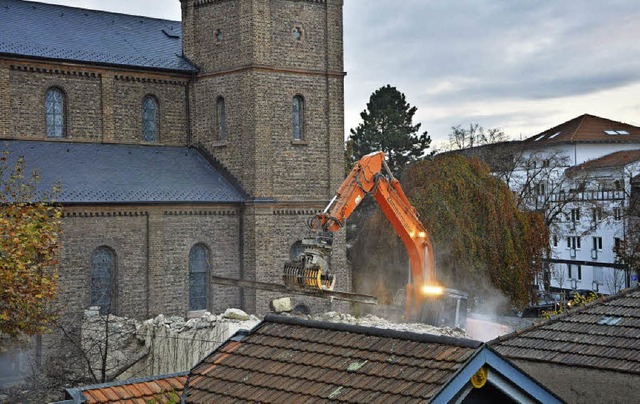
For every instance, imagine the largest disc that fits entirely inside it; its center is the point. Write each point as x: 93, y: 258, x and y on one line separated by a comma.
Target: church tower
x: 267, y: 103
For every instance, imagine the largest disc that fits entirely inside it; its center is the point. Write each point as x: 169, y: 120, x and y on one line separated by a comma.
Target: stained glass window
x: 54, y: 112
x: 198, y: 270
x: 298, y: 117
x: 149, y: 119
x: 103, y: 285
x: 221, y: 119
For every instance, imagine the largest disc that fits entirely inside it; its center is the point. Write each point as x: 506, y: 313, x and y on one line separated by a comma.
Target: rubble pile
x: 370, y: 320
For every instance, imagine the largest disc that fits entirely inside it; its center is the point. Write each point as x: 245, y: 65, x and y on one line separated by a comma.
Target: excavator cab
x: 310, y: 270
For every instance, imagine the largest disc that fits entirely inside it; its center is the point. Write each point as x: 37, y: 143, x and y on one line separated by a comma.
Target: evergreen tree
x: 387, y: 125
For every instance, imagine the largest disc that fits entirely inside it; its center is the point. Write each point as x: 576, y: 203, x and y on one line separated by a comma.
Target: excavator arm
x: 370, y: 176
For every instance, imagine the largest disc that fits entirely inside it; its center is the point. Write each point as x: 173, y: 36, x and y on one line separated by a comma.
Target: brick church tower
x: 267, y: 103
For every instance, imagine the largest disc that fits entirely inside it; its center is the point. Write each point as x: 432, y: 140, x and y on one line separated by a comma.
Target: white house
x: 581, y: 175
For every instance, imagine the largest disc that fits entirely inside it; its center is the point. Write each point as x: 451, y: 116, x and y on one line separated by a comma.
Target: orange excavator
x: 370, y: 176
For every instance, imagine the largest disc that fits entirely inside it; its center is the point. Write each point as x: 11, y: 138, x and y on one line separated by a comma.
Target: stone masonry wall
x: 100, y: 105
x: 151, y: 264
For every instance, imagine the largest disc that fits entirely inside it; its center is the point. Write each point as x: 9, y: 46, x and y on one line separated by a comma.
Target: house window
x: 103, y: 279
x: 539, y: 188
x: 597, y: 243
x: 219, y: 35
x: 573, y: 242
x: 617, y: 245
x: 617, y: 214
x: 298, y: 117
x: 221, y: 119
x: 149, y: 119
x: 298, y: 33
x: 546, y: 163
x: 555, y: 241
x: 575, y: 214
x: 198, y: 271
x: 597, y: 214
x: 578, y: 271
x: 55, y: 112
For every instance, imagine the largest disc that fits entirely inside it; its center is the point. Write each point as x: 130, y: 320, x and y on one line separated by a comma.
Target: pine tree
x: 387, y: 125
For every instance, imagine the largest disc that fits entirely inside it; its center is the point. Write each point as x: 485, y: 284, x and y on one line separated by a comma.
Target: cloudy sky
x: 522, y: 66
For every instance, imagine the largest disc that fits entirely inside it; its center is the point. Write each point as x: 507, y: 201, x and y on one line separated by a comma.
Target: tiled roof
x: 293, y: 360
x: 157, y: 389
x: 604, y: 335
x: 74, y: 34
x: 617, y: 159
x: 586, y: 129
x: 112, y: 173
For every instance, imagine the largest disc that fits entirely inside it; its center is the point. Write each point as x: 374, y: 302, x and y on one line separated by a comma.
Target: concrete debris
x: 281, y: 305
x: 370, y: 320
x: 235, y: 314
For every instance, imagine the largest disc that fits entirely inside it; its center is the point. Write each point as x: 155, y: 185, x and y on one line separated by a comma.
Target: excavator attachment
x: 310, y: 270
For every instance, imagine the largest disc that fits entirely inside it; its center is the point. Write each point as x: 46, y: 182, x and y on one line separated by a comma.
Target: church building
x: 184, y: 149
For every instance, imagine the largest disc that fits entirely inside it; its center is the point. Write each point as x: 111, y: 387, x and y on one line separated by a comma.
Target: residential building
x: 581, y: 176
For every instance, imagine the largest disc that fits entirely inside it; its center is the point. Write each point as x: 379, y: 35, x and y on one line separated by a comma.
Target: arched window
x: 198, y: 271
x: 55, y: 112
x: 298, y: 117
x: 103, y: 279
x: 221, y: 119
x: 149, y: 119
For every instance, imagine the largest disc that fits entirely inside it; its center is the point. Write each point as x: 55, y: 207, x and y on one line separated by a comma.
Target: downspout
x: 241, y: 210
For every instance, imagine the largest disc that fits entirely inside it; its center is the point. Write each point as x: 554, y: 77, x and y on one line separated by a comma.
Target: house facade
x: 581, y: 176
x: 184, y: 149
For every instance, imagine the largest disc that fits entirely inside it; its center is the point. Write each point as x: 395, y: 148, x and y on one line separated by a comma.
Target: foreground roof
x: 586, y: 129
x: 116, y: 173
x: 156, y: 389
x: 287, y: 359
x: 603, y: 335
x: 74, y: 34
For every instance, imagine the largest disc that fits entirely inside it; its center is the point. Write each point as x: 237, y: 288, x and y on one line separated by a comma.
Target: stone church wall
x: 101, y: 106
x: 152, y: 246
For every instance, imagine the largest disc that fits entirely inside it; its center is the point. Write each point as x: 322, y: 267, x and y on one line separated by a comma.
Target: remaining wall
x: 152, y: 245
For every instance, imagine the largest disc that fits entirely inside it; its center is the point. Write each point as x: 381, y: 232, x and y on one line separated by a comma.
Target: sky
x: 520, y: 66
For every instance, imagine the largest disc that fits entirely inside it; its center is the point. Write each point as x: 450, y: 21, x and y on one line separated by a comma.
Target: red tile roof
x: 617, y: 159
x: 604, y: 335
x: 159, y: 389
x: 293, y: 360
x: 587, y: 129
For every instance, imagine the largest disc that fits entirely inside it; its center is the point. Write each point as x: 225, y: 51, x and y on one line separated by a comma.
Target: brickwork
x: 152, y: 254
x: 82, y: 97
x: 258, y: 65
x: 171, y: 96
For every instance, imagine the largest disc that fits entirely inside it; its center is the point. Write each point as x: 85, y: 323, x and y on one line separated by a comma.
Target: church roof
x: 586, y: 129
x: 116, y: 173
x: 74, y: 34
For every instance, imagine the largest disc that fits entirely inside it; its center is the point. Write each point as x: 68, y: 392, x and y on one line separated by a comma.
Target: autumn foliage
x: 482, y: 241
x: 29, y: 232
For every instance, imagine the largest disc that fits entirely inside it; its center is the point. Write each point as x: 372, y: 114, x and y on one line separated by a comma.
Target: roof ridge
x: 94, y: 10
x: 380, y: 332
x: 582, y: 118
x: 563, y: 315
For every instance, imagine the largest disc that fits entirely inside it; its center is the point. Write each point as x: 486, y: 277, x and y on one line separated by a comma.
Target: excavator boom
x: 369, y: 176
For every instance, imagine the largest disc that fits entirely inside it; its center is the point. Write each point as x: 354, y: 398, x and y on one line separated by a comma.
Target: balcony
x: 584, y: 196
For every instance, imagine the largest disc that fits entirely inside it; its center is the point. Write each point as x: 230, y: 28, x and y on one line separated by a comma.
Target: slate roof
x: 603, y: 335
x: 291, y: 360
x: 586, y: 129
x: 73, y: 34
x: 117, y: 173
x: 156, y: 389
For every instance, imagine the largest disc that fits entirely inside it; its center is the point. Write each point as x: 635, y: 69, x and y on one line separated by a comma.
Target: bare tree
x: 461, y: 138
x: 615, y: 279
